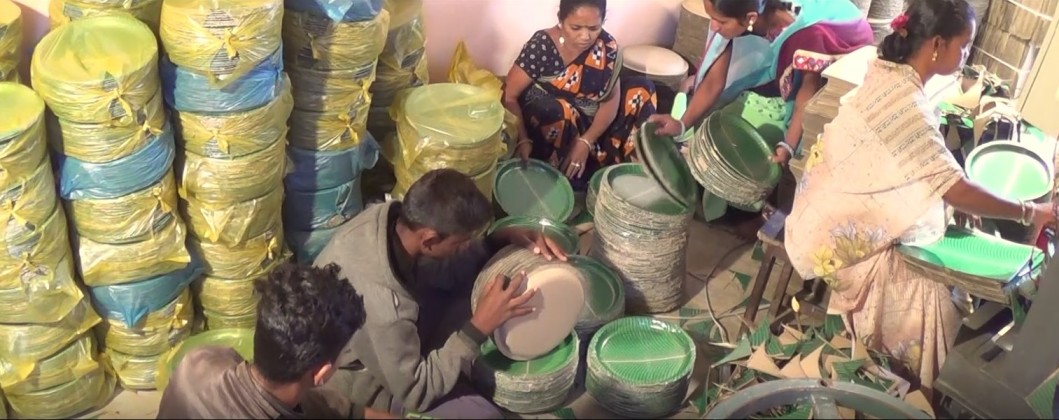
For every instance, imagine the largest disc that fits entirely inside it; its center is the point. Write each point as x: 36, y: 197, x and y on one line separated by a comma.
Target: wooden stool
x: 809, y: 298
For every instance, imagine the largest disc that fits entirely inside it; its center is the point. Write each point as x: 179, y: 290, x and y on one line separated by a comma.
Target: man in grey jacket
x: 415, y: 263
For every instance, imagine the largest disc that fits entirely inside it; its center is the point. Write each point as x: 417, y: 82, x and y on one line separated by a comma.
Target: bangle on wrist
x: 586, y: 142
x: 521, y: 142
x: 787, y: 147
x: 683, y: 128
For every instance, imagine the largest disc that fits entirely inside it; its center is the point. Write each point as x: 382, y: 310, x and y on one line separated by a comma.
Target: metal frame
x: 824, y: 396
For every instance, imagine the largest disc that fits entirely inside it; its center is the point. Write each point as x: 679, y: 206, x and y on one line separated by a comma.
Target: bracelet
x: 683, y: 128
x: 784, y: 145
x: 586, y: 142
x: 521, y: 142
x: 1027, y: 213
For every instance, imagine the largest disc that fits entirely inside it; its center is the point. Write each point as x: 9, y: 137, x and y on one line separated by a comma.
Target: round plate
x: 654, y: 61
x: 696, y: 7
x: 461, y: 115
x: 242, y: 340
x: 642, y: 351
x: 743, y: 149
x: 665, y: 164
x: 536, y: 190
x: 558, y: 302
x: 631, y: 184
x: 593, y: 191
x: 546, y: 364
x: 604, y: 291
x: 21, y: 108
x: 562, y: 234
x: 1009, y: 170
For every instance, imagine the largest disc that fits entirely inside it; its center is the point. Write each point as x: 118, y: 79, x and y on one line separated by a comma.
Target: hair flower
x: 899, y: 23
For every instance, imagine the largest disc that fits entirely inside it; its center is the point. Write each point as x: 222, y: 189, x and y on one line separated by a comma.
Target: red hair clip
x: 899, y: 22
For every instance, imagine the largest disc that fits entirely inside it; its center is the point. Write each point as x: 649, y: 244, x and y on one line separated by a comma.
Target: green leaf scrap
x: 564, y: 413
x: 743, y: 279
x: 740, y: 352
x: 759, y: 252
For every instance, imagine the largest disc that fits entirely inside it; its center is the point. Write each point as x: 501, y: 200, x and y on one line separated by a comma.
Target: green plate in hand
x: 1010, y: 170
x: 642, y: 351
x: 978, y: 254
x: 743, y: 149
x: 664, y: 163
x: 537, y: 190
x: 242, y: 340
x: 561, y: 234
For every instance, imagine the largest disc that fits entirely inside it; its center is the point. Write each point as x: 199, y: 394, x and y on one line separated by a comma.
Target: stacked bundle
x: 224, y: 80
x: 331, y: 51
x: 48, y: 364
x: 10, y: 40
x: 61, y: 12
x: 114, y: 152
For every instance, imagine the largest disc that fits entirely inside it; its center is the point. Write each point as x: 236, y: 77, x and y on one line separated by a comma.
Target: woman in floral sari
x: 880, y: 175
x: 564, y: 86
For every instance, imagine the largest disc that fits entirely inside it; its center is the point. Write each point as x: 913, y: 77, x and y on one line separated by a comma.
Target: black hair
x: 305, y: 317
x: 738, y: 9
x: 926, y: 19
x: 446, y: 201
x: 566, y: 7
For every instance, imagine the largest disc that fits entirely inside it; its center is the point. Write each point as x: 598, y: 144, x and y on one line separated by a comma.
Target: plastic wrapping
x: 464, y: 70
x: 328, y: 131
x: 10, y: 39
x: 76, y: 360
x: 188, y: 91
x: 83, y: 180
x: 390, y: 82
x: 22, y: 346
x: 324, y: 208
x: 320, y: 43
x: 39, y: 293
x: 22, y: 125
x: 381, y: 125
x: 61, y: 12
x: 156, y: 334
x: 233, y: 180
x: 134, y: 372
x: 215, y: 321
x: 236, y: 134
x: 110, y: 264
x: 35, y: 245
x: 223, y: 39
x: 249, y: 259
x: 314, y: 170
x: 88, y: 392
x: 131, y: 218
x: 98, y: 70
x: 308, y: 244
x: 338, y: 10
x: 405, y: 44
x: 229, y: 297
x: 233, y: 223
x: 101, y: 143
x: 25, y: 202
x: 129, y: 304
x: 332, y: 90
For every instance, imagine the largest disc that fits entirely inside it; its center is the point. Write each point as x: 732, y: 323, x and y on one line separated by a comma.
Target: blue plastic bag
x: 141, y: 169
x: 315, y: 170
x: 189, y: 91
x: 322, y: 209
x: 307, y: 245
x: 338, y: 10
x: 130, y: 303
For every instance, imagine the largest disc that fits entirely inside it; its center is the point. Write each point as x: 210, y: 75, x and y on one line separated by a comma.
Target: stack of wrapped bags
x: 49, y: 364
x: 223, y: 78
x: 114, y: 151
x: 10, y: 40
x: 331, y: 50
x: 61, y: 12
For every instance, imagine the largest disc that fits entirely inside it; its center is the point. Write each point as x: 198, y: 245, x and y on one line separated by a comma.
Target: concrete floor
x: 715, y: 255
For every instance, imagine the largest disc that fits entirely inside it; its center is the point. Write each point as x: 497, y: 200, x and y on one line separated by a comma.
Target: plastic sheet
x: 314, y: 170
x: 229, y: 297
x: 21, y: 126
x: 250, y: 259
x: 25, y: 203
x: 402, y: 11
x: 485, y: 181
x: 10, y: 39
x: 130, y: 303
x: 332, y: 90
x: 101, y: 143
x: 67, y: 400
x: 464, y: 70
x: 308, y: 244
x: 215, y: 321
x: 61, y: 12
x: 76, y: 360
x: 134, y: 372
x: 328, y: 131
x: 339, y: 10
x: 38, y: 293
x: 110, y: 264
x: 189, y: 91
x: 381, y: 125
x: 223, y: 39
x: 35, y: 245
x: 236, y: 134
x: 97, y: 70
x: 22, y: 346
x: 156, y: 334
x: 83, y: 180
x: 127, y: 219
x: 233, y: 223
x: 390, y: 82
x: 320, y: 43
x: 233, y: 180
x: 323, y: 209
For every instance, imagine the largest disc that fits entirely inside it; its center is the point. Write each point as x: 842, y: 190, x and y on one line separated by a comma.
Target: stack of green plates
x: 766, y: 114
x: 535, y: 189
x: 640, y: 367
x: 593, y: 188
x: 604, y: 294
x: 561, y: 234
x: 532, y: 386
x: 732, y: 161
x: 242, y: 340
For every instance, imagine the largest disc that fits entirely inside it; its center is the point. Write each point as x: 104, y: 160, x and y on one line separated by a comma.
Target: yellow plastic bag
x: 229, y: 297
x: 21, y: 131
x: 215, y: 321
x: 26, y: 203
x: 391, y: 82
x: 402, y: 11
x: 156, y: 333
x: 23, y: 346
x: 86, y: 393
x: 334, y: 90
x: 250, y: 259
x: 233, y: 224
x: 32, y: 245
x: 328, y: 131
x: 109, y: 264
x: 39, y: 293
x: 10, y: 39
x: 98, y: 70
x: 463, y: 70
x: 316, y: 42
x: 76, y: 360
x: 405, y: 179
x: 236, y: 134
x: 405, y: 46
x: 101, y: 143
x: 221, y: 38
x: 235, y: 180
x: 132, y: 218
x: 134, y: 372
x: 61, y: 12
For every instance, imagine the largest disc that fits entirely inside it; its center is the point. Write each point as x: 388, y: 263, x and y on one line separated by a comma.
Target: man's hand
x: 532, y: 240
x: 498, y: 303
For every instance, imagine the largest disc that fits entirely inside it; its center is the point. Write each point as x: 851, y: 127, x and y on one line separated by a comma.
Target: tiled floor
x: 715, y: 255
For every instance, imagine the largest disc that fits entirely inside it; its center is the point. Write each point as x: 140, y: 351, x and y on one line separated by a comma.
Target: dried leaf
x: 918, y: 400
x: 811, y: 364
x: 761, y: 362
x: 790, y: 335
x: 795, y: 306
x: 793, y: 369
x: 841, y: 343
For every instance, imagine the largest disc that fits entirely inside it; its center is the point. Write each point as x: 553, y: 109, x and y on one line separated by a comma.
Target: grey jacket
x: 383, y: 362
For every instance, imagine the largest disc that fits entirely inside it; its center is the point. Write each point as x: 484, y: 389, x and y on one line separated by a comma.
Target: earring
x: 751, y: 27
x: 562, y: 41
x: 935, y: 57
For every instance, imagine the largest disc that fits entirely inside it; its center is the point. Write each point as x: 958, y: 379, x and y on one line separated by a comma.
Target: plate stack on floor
x: 10, y: 41
x: 49, y: 366
x: 114, y: 152
x: 61, y: 12
x: 331, y: 49
x: 224, y: 79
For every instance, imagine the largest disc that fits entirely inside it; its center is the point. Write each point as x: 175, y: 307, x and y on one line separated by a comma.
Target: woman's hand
x: 524, y: 149
x: 688, y: 84
x: 667, y: 125
x: 1043, y: 215
x: 781, y: 156
x: 969, y: 221
x: 574, y: 166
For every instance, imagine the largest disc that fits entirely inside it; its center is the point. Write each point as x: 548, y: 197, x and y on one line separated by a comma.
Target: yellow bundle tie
x: 327, y: 131
x: 134, y: 372
x: 101, y: 143
x: 235, y: 180
x: 127, y: 219
x: 44, y: 242
x: 23, y: 346
x: 156, y: 333
x: 332, y: 90
x: 233, y: 224
x: 111, y: 264
x: 316, y: 42
x: 237, y: 134
x: 41, y: 292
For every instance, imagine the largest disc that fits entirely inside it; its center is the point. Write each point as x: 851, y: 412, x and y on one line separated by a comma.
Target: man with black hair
x: 304, y: 318
x: 415, y: 262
